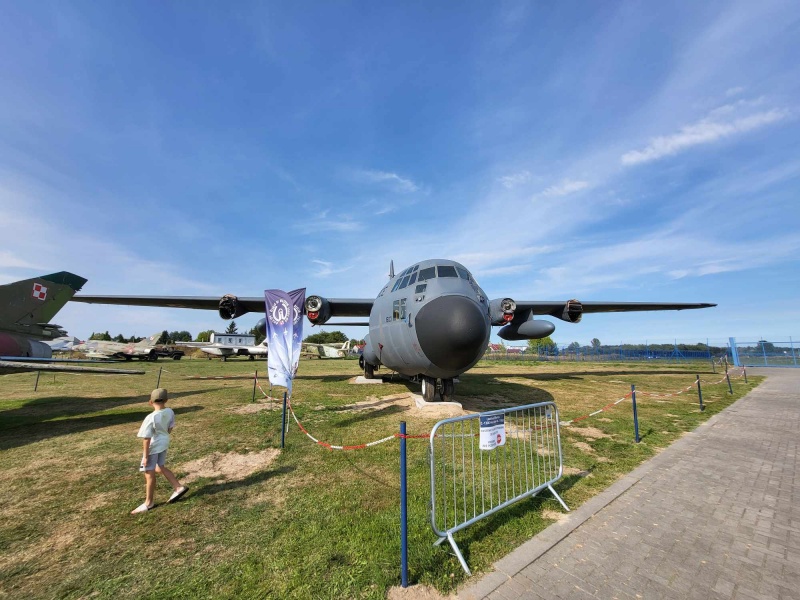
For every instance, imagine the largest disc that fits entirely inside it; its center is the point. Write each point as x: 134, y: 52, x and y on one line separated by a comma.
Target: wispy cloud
x: 327, y: 268
x: 565, y: 188
x: 392, y: 181
x: 512, y: 181
x: 322, y: 223
x: 703, y: 132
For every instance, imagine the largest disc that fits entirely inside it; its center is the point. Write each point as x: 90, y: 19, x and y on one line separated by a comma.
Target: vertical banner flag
x: 279, y: 333
x: 298, y: 298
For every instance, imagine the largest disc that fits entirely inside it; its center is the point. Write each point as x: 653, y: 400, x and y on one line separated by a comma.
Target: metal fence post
x: 158, y: 381
x: 744, y: 372
x: 728, y: 377
x: 36, y: 383
x: 403, y: 509
x: 700, y: 394
x: 255, y: 381
x: 635, y: 415
x: 283, y: 421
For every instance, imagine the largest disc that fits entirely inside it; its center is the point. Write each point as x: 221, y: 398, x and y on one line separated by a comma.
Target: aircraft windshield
x: 447, y: 271
x: 429, y: 273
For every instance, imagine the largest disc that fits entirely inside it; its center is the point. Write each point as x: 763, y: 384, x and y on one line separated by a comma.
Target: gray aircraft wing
x: 555, y: 308
x: 12, y: 366
x: 340, y: 307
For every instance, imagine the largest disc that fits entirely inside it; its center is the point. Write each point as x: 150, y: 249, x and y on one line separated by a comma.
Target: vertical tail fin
x: 37, y: 300
x: 149, y: 341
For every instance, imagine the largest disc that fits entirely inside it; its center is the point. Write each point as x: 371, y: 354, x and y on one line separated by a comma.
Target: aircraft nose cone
x: 452, y: 332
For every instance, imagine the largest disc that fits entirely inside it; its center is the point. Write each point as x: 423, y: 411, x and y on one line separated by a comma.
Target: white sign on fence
x: 493, y: 431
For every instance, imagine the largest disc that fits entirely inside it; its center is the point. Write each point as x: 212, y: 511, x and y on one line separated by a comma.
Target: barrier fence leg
x: 158, y: 381
x: 635, y: 415
x: 255, y: 381
x: 458, y: 554
x: 403, y: 509
x: 283, y: 421
x: 700, y: 394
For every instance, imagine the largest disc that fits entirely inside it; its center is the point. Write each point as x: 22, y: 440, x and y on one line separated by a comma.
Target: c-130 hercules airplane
x: 431, y: 322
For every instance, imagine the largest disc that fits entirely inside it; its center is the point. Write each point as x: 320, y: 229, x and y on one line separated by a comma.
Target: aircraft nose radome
x: 452, y: 331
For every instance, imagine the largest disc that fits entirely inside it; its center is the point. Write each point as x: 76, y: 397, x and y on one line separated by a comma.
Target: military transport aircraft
x: 431, y: 322
x: 26, y: 308
x: 143, y: 350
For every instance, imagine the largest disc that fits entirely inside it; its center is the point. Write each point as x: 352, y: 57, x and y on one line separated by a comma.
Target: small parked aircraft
x: 310, y: 350
x: 143, y: 350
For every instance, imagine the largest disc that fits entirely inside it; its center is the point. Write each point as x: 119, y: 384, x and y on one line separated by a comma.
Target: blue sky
x: 600, y: 151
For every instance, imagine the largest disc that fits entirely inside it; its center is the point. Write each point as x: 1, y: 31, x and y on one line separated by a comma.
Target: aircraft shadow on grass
x: 24, y: 425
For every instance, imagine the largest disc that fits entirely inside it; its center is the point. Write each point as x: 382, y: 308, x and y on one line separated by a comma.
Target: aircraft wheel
x: 428, y: 389
x: 224, y: 358
x: 448, y: 390
x: 369, y: 371
x: 251, y: 357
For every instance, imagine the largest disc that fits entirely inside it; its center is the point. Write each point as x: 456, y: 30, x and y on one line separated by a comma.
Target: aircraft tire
x: 428, y: 389
x: 448, y: 390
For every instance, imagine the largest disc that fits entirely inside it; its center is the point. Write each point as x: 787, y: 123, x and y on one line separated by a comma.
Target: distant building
x: 233, y: 339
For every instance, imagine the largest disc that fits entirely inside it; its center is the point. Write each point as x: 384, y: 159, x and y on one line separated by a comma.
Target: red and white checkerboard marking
x: 39, y: 291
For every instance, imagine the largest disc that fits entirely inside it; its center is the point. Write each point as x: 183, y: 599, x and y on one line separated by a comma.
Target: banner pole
x: 283, y: 421
x: 635, y: 415
x: 403, y: 509
x: 255, y: 381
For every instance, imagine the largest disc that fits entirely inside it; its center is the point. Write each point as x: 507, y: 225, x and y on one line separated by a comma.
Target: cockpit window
x: 403, y: 283
x: 463, y: 273
x: 447, y: 271
x: 425, y: 274
x: 397, y: 284
x: 420, y: 289
x: 413, y: 279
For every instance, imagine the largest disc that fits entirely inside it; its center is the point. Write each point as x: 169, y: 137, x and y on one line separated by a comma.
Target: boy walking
x: 155, y: 432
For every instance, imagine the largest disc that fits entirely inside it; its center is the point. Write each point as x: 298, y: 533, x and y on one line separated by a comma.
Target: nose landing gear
x: 445, y: 388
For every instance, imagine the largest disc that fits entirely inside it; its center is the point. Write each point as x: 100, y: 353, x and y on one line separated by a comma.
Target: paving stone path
x: 716, y: 515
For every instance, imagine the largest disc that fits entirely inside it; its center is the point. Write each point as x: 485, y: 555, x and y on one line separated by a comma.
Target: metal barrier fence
x: 484, y: 462
x: 765, y: 353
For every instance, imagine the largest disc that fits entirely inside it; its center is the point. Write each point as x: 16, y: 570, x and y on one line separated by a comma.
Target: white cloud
x: 326, y: 268
x: 512, y: 181
x: 565, y: 188
x: 703, y: 132
x: 394, y: 181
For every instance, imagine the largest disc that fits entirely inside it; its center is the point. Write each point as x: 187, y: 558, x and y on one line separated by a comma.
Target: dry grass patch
x: 590, y: 433
x: 230, y: 467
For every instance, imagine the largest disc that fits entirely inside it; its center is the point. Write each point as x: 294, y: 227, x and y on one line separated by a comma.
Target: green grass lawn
x: 304, y: 522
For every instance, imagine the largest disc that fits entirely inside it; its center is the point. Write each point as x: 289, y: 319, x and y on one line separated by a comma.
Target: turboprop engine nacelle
x: 229, y: 307
x: 318, y: 310
x: 527, y: 330
x: 261, y: 326
x: 572, y: 312
x: 501, y: 310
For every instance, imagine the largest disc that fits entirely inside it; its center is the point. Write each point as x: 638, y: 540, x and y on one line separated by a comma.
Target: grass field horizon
x: 302, y: 522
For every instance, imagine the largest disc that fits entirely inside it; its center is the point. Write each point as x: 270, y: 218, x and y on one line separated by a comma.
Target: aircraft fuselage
x: 20, y: 345
x: 431, y: 320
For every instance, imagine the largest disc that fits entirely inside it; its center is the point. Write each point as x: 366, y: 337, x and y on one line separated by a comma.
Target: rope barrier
x: 650, y: 394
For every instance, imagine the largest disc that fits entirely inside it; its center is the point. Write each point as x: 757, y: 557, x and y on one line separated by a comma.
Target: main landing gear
x: 369, y: 370
x: 430, y: 387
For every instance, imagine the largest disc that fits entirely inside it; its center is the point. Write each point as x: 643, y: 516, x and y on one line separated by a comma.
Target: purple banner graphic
x: 280, y: 326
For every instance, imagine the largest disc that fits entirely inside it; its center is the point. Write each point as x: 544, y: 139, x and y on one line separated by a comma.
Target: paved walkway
x: 716, y: 515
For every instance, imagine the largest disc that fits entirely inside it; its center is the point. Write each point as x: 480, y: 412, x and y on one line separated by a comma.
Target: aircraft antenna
x: 391, y: 269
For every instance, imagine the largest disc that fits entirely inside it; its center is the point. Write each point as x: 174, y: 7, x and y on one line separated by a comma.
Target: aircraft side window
x: 396, y: 310
x: 415, y: 268
x: 413, y: 279
x: 420, y: 289
x: 403, y: 283
x: 402, y: 308
x: 462, y: 273
x: 447, y: 271
x: 429, y: 273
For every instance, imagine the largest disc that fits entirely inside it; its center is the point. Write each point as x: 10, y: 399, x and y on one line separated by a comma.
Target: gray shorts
x: 155, y: 459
